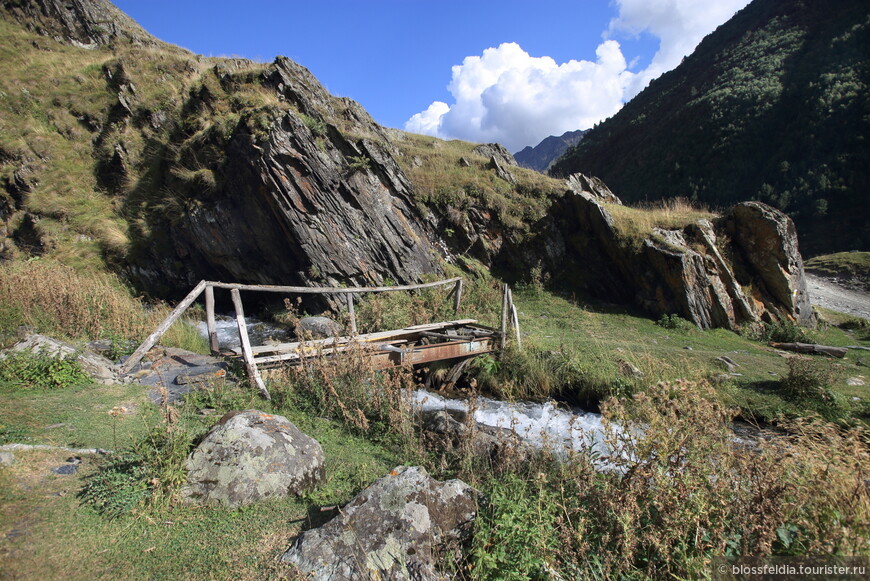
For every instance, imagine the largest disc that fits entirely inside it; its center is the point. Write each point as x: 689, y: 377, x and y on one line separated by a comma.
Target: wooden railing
x: 208, y: 288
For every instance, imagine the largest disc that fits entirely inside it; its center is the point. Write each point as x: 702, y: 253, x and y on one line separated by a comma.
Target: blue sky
x: 508, y: 71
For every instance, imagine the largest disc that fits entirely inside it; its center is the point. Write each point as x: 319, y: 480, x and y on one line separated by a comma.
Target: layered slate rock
x: 295, y: 200
x: 84, y: 23
x: 739, y: 269
x: 249, y: 456
x: 397, y: 528
x: 768, y: 242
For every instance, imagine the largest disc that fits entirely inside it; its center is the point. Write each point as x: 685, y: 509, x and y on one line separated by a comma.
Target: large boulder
x: 768, y: 243
x: 249, y: 456
x: 736, y: 270
x: 398, y: 528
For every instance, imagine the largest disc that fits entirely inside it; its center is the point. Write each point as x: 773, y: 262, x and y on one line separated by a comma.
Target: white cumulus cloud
x: 678, y: 24
x: 507, y: 96
x: 510, y: 97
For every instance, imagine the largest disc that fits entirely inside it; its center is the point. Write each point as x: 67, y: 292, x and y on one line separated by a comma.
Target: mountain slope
x: 772, y: 106
x: 541, y: 156
x: 119, y: 150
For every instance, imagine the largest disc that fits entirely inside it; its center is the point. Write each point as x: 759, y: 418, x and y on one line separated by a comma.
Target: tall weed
x: 680, y: 491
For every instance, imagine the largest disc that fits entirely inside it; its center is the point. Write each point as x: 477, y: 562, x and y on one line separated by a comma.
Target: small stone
x: 200, y: 373
x: 687, y: 348
x: 65, y: 469
x: 7, y: 458
x: 856, y: 381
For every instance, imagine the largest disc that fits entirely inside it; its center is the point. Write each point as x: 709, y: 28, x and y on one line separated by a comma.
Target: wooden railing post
x: 457, y: 296
x: 504, y: 315
x: 515, y: 319
x: 247, y: 353
x: 351, y: 313
x: 210, y: 324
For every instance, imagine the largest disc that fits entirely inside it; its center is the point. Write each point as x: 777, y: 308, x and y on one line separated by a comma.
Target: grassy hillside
x: 772, y: 106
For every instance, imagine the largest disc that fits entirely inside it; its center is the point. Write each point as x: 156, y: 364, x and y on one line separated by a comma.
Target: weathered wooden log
x: 152, y: 339
x: 838, y: 352
x: 457, y: 297
x: 247, y: 354
x: 214, y: 347
x: 328, y: 290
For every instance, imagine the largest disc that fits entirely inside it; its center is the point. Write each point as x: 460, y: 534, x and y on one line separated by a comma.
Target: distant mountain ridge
x: 541, y: 156
x: 772, y: 106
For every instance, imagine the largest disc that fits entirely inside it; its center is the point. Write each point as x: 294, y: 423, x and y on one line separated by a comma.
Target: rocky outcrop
x: 294, y: 202
x: 767, y: 241
x: 400, y: 527
x: 84, y: 23
x: 249, y: 456
x: 739, y: 269
x: 99, y: 368
x: 497, y: 152
x: 580, y: 184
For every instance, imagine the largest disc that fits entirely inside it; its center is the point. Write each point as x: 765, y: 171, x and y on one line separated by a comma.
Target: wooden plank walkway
x: 456, y: 339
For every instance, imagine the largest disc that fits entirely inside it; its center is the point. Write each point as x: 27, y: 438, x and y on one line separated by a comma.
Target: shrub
x: 859, y: 325
x: 675, y: 322
x: 118, y: 486
x: 150, y: 470
x: 677, y: 492
x: 514, y: 538
x: 28, y: 371
x: 809, y: 379
x: 785, y: 331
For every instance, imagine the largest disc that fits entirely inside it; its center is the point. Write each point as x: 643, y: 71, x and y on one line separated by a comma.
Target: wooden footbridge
x: 420, y: 344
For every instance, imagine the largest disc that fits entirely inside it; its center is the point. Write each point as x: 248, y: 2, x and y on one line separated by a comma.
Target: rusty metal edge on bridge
x: 461, y: 338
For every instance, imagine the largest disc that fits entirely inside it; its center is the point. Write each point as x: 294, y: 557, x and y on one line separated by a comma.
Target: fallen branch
x: 18, y: 447
x: 838, y: 352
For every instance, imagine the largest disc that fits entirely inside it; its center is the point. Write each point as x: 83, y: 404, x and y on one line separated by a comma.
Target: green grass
x: 849, y: 265
x: 54, y: 528
x: 441, y: 183
x: 76, y: 417
x: 596, y: 339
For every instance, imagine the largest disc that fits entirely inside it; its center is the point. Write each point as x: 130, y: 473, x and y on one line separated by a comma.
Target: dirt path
x: 829, y: 295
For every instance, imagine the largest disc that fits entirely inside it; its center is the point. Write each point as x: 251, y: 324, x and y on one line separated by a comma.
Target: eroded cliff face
x: 291, y: 199
x: 85, y: 23
x: 739, y: 269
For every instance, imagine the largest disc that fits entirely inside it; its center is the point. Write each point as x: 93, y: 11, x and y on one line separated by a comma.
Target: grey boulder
x: 397, y: 528
x: 318, y: 328
x: 252, y: 455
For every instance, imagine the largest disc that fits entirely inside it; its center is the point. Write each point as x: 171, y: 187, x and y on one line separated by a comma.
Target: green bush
x: 514, y: 537
x: 29, y: 371
x: 809, y: 382
x: 859, y: 325
x: 118, y: 486
x: 675, y: 322
x: 785, y: 331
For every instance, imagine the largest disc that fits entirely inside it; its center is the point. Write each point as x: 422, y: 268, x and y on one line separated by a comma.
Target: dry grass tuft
x: 672, y: 214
